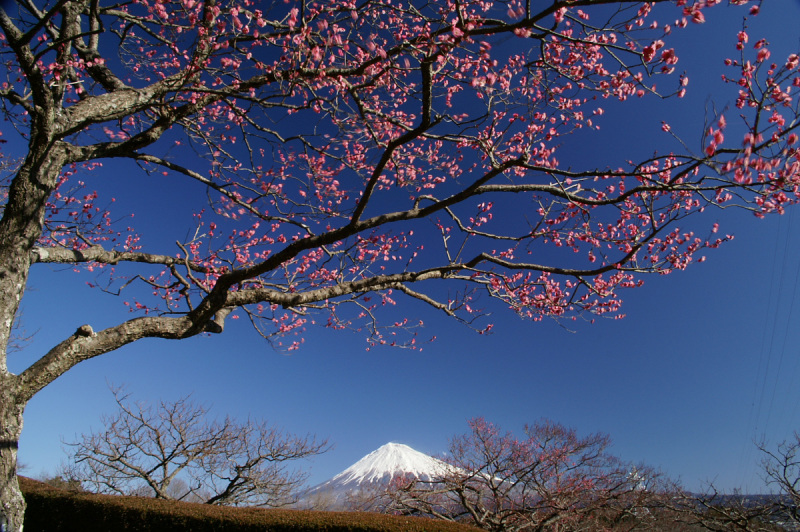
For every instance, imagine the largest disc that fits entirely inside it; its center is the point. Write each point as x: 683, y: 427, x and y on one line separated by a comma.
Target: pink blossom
x: 743, y: 37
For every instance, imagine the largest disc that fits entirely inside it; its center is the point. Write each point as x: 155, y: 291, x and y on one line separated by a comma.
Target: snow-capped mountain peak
x: 388, y: 461
x: 362, y: 485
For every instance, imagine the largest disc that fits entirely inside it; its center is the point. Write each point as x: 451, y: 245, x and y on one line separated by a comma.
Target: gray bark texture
x: 12, y: 504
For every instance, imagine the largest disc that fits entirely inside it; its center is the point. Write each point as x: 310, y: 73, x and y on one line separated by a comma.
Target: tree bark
x: 12, y: 504
x: 20, y: 228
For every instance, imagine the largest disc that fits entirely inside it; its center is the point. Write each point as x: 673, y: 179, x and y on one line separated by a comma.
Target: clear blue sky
x: 706, y: 361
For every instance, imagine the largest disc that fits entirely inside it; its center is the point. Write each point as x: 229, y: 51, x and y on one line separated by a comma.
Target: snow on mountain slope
x: 375, y: 471
x: 386, y: 462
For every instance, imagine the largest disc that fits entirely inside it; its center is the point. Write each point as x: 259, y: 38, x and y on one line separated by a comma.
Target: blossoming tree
x: 550, y: 478
x: 354, y: 154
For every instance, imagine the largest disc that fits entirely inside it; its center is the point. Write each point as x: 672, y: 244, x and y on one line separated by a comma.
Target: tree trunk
x: 12, y: 504
x: 20, y: 227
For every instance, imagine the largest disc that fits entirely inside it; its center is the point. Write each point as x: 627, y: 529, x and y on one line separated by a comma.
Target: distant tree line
x: 548, y: 479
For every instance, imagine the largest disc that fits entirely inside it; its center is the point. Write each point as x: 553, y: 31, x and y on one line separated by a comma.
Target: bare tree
x: 173, y: 451
x: 781, y: 468
x: 549, y: 479
x: 720, y: 511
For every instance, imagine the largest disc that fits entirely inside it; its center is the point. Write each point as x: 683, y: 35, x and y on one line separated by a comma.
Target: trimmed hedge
x: 55, y: 510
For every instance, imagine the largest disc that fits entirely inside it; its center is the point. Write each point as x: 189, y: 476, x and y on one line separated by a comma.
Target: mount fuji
x: 368, y: 477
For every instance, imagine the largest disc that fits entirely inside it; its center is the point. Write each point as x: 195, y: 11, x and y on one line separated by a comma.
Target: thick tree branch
x: 80, y: 347
x: 96, y: 253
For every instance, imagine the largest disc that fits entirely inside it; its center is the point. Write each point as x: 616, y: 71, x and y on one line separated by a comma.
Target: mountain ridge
x: 374, y: 472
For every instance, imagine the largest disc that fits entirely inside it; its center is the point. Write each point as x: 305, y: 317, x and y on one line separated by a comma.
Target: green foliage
x: 56, y: 510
